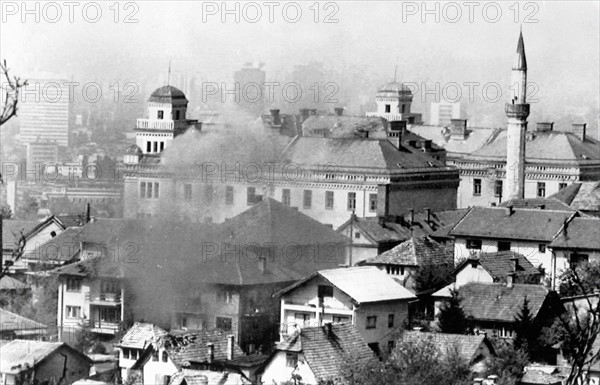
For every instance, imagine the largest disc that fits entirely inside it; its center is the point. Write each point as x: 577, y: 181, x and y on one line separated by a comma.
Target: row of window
x: 476, y: 244
x: 541, y: 188
x: 73, y: 312
x: 155, y: 147
x: 372, y: 321
x: 160, y: 114
x: 131, y: 354
x: 149, y: 190
x: 329, y: 200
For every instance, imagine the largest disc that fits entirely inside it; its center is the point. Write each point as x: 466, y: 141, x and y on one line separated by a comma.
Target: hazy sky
x: 561, y: 37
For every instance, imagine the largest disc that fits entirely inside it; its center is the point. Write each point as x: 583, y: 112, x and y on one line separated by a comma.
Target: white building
x: 443, y: 112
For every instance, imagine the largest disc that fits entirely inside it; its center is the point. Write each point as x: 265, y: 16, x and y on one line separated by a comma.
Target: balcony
x: 103, y: 299
x: 155, y: 124
x: 104, y: 327
x: 519, y: 111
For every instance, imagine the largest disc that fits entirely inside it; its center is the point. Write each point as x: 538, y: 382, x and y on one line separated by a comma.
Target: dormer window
x: 160, y: 114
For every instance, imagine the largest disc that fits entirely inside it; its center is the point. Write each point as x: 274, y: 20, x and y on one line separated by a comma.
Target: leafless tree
x: 16, y: 255
x: 10, y: 85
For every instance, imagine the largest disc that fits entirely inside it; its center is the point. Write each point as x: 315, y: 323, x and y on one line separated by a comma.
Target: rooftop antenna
x: 395, y: 71
x: 169, y: 74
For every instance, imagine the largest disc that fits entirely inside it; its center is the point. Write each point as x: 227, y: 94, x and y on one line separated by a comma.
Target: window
x: 165, y: 357
x: 562, y: 185
x: 73, y: 284
x: 148, y: 146
x: 229, y: 195
x: 142, y: 189
x: 126, y: 354
x: 503, y: 246
x: 374, y: 346
x: 160, y: 114
x: 183, y: 321
x: 372, y: 202
x: 340, y: 319
x: 329, y: 200
x: 225, y: 296
x: 285, y: 197
x: 187, y: 192
x: 351, y: 201
x: 73, y: 311
x: 474, y: 244
x: 156, y: 190
x: 476, y: 187
x: 403, y: 108
x: 390, y: 321
x: 325, y: 291
x: 391, y: 346
x: 223, y: 323
x: 371, y: 322
x: 307, y: 199
x: 541, y: 189
x: 542, y: 247
x: 388, y: 108
x: 155, y: 146
x: 250, y: 196
x: 505, y: 332
x: 177, y: 114
x: 498, y: 188
x: 291, y: 360
x: 154, y: 356
x: 356, y: 235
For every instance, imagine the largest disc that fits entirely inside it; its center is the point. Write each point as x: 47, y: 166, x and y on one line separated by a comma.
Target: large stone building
x: 327, y: 178
x: 541, y: 161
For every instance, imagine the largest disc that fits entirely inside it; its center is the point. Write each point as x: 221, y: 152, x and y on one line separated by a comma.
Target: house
x: 211, y: 350
x: 14, y: 326
x: 207, y: 377
x: 10, y: 285
x: 538, y: 377
x: 366, y: 297
x: 577, y: 241
x: 33, y: 234
x: 528, y: 232
x: 475, y: 350
x: 315, y: 354
x: 496, y: 267
x: 403, y: 261
x: 492, y: 307
x: 134, y: 342
x: 46, y: 362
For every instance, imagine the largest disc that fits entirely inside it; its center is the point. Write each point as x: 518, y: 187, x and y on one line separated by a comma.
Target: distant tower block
x: 443, y: 112
x: 517, y: 111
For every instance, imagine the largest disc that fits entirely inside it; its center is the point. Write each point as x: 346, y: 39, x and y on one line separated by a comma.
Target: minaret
x: 517, y: 112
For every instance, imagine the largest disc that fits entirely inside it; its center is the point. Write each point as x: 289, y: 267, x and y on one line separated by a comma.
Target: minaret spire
x: 169, y: 75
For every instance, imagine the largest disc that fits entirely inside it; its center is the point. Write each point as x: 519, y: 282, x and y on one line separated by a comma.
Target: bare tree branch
x: 10, y: 86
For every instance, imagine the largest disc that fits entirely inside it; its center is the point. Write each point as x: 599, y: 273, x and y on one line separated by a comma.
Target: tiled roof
x: 544, y: 146
x: 379, y: 233
x: 166, y: 94
x: 476, y: 138
x: 415, y: 252
x: 468, y: 345
x: 62, y: 248
x: 538, y: 377
x: 580, y: 233
x: 326, y: 353
x: 358, y: 154
x: 375, y: 285
x: 10, y: 321
x: 522, y: 224
x: 345, y: 126
x: 567, y: 194
x: 100, y: 266
x: 538, y: 203
x: 200, y: 377
x: 9, y: 283
x: 19, y: 353
x: 141, y: 335
x: 189, y: 348
x: 497, y: 302
x: 584, y: 196
x: 499, y: 264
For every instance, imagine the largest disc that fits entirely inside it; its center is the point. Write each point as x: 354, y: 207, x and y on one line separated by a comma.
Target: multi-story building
x: 328, y: 179
x: 443, y: 112
x: 44, y: 109
x: 42, y: 153
x: 249, y: 84
x: 377, y: 307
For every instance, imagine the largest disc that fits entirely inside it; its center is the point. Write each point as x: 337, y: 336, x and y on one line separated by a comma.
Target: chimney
x: 458, y: 129
x: 428, y: 212
x: 510, y: 280
x: 327, y: 328
x: 230, y: 347
x: 304, y: 113
x: 275, y: 117
x: 88, y: 211
x: 339, y: 111
x: 514, y: 263
x: 579, y: 130
x: 509, y: 210
x: 262, y: 264
x: 411, y: 216
x: 211, y: 352
x: 544, y: 126
x: 312, y: 111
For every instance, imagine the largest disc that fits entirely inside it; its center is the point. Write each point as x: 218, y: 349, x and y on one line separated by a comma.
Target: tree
x: 11, y: 86
x: 452, y: 318
x: 508, y: 363
x: 433, y: 276
x: 5, y: 212
x: 526, y: 332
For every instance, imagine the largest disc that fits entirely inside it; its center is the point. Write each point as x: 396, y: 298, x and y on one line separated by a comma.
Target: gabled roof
x: 580, y: 233
x: 10, y: 321
x: 9, y: 283
x: 375, y: 285
x: 327, y: 353
x: 584, y: 196
x: 467, y: 345
x: 475, y: 139
x: 415, y: 252
x: 200, y: 377
x: 499, y: 264
x: 538, y: 377
x: 359, y: 155
x: 12, y: 229
x: 522, y: 224
x: 100, y: 266
x: 538, y: 203
x: 17, y: 354
x: 345, y: 126
x: 140, y: 335
x: 374, y: 230
x: 497, y: 302
x: 62, y: 248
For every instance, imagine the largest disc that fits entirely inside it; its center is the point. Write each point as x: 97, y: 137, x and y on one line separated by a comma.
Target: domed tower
x: 393, y: 103
x: 133, y: 154
x: 167, y: 107
x: 517, y: 111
